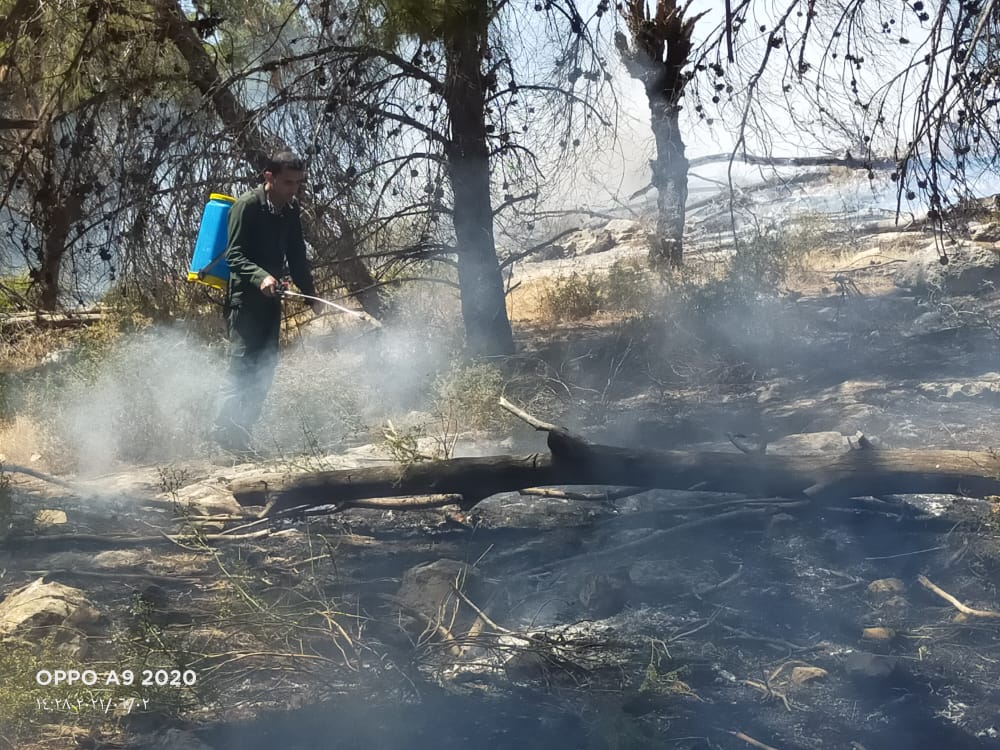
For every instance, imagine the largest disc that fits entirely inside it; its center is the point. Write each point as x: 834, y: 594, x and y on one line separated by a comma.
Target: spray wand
x: 284, y: 291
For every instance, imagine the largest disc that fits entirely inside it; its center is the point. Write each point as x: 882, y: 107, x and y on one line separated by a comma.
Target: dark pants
x: 254, y: 328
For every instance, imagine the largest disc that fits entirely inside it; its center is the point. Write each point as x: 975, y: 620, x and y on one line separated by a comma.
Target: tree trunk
x: 204, y: 75
x: 484, y: 308
x: 670, y: 178
x: 574, y: 462
x: 60, y: 213
x: 660, y: 50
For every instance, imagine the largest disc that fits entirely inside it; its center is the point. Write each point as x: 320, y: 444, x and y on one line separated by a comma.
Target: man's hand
x: 269, y: 286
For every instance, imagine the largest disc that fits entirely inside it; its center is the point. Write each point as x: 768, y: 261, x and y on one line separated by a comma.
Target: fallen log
x: 17, y: 123
x: 50, y: 319
x: 572, y: 461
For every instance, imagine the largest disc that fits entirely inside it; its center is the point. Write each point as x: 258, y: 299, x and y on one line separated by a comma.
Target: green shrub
x: 14, y: 291
x: 763, y: 263
x: 469, y: 395
x: 629, y: 286
x: 573, y: 297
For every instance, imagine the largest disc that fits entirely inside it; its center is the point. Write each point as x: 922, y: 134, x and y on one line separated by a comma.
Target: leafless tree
x: 863, y: 83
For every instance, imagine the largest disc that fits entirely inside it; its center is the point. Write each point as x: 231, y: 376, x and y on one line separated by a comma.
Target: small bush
x: 762, y: 263
x: 14, y: 291
x: 468, y: 396
x: 629, y: 286
x: 573, y: 297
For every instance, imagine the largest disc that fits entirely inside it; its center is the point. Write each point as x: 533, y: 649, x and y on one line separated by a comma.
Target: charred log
x: 8, y: 123
x: 572, y: 461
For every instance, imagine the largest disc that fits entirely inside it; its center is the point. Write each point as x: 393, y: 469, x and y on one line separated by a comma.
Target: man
x: 265, y: 233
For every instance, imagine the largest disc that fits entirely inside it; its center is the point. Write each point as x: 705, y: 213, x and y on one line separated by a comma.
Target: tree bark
x: 575, y: 462
x: 204, y: 75
x: 60, y: 212
x: 659, y: 51
x: 670, y: 178
x: 484, y: 307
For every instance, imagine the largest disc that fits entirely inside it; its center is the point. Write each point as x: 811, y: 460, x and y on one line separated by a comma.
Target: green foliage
x: 436, y: 20
x: 629, y: 286
x: 24, y: 704
x: 468, y: 396
x: 626, y: 287
x: 573, y: 297
x: 315, y: 404
x: 14, y: 289
x: 763, y: 263
x: 27, y: 707
x: 404, y: 445
x: 756, y: 272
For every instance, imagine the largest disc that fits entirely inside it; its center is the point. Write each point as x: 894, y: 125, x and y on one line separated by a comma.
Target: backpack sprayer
x: 208, y: 264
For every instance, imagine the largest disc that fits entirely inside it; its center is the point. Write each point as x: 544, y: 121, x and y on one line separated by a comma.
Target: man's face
x: 283, y: 186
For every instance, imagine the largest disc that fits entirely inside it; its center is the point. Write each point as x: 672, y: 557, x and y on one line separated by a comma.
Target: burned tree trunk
x: 484, y: 309
x: 575, y: 462
x: 659, y: 50
x: 670, y: 177
x: 60, y: 211
x: 55, y: 235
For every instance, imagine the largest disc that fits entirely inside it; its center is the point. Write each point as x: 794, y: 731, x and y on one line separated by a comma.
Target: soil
x: 769, y: 629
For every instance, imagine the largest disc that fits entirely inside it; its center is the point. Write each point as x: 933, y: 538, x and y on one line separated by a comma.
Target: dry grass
x: 872, y: 265
x: 28, y: 349
x: 526, y: 302
x: 23, y: 441
x: 625, y: 287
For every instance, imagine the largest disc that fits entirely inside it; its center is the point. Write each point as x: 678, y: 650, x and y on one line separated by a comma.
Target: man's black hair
x: 284, y: 160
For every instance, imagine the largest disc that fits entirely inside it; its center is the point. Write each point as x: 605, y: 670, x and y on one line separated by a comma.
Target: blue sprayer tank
x: 208, y: 265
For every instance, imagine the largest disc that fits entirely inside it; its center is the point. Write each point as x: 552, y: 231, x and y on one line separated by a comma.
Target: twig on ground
x: 709, y: 621
x: 113, y: 575
x: 964, y: 609
x: 438, y: 626
x: 906, y: 554
x: 600, y: 497
x: 525, y: 417
x: 715, y: 587
x: 751, y: 741
x: 743, y: 635
x: 483, y: 616
x: 768, y: 691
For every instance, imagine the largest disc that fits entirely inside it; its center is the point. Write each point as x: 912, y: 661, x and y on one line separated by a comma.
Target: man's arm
x: 298, y: 264
x: 238, y: 249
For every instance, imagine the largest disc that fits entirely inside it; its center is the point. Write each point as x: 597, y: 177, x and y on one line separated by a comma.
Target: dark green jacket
x: 260, y: 244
